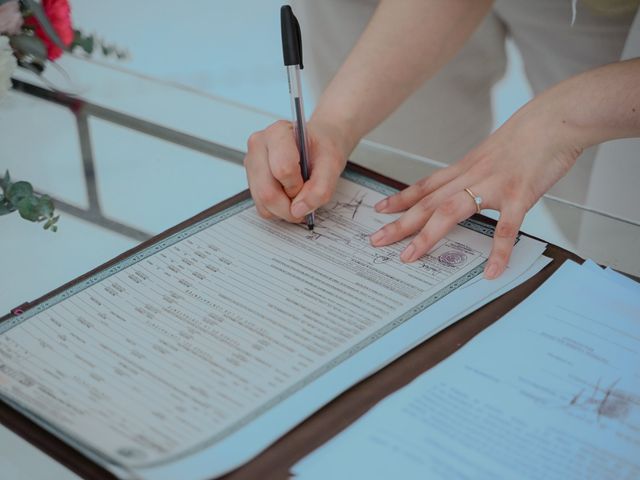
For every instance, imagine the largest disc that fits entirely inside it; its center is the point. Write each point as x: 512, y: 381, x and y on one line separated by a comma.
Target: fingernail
x: 299, y: 209
x: 407, y: 255
x: 377, y: 237
x: 491, y: 271
x: 382, y: 205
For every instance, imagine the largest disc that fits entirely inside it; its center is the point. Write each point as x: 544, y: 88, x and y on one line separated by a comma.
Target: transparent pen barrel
x: 298, y: 116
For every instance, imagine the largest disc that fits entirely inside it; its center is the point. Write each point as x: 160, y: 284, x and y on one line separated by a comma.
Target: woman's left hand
x: 510, y: 171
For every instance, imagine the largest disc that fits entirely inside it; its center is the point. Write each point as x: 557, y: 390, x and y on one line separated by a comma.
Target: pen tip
x: 310, y: 226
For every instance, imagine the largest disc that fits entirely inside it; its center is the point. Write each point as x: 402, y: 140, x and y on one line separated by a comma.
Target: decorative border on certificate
x: 147, y: 252
x: 355, y: 177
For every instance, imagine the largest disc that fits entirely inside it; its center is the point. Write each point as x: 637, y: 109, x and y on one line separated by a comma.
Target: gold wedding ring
x: 477, y: 199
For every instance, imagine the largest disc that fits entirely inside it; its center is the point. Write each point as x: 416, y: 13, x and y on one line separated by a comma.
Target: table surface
x: 93, y: 155
x: 276, y: 461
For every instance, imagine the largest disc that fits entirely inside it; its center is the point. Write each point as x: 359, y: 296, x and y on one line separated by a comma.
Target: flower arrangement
x: 40, y: 32
x: 31, y: 35
x: 8, y: 65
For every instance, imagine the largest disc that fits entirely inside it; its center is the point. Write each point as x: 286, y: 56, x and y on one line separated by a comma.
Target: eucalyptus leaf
x: 18, y: 191
x: 90, y: 44
x: 31, y: 206
x: 45, y: 206
x: 6, y: 208
x: 6, y: 181
x: 86, y: 43
x: 29, y: 45
x: 51, y: 223
x: 28, y: 209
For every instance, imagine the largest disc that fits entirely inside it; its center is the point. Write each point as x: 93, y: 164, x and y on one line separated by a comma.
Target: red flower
x: 59, y: 14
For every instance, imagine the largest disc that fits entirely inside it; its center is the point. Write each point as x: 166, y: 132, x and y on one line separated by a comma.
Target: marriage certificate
x: 213, y: 336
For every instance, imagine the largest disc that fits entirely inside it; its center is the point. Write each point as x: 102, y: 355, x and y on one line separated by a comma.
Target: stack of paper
x: 190, y: 357
x: 552, y: 391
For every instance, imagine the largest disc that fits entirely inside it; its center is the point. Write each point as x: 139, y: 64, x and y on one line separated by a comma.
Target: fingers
x: 452, y: 211
x: 273, y: 171
x: 504, y: 239
x: 267, y: 192
x: 416, y: 217
x: 263, y: 212
x: 320, y: 187
x: 284, y: 157
x: 411, y: 195
x: 448, y: 213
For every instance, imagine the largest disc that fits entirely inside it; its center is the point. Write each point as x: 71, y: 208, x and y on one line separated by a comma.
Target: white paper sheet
x: 192, y: 360
x: 552, y: 391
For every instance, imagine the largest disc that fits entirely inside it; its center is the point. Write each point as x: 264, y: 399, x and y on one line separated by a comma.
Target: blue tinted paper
x: 550, y: 391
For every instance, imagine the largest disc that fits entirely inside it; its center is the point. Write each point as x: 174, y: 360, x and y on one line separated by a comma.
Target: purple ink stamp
x: 452, y: 258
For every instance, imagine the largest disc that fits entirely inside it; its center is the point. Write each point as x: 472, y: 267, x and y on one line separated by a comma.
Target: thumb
x: 319, y: 189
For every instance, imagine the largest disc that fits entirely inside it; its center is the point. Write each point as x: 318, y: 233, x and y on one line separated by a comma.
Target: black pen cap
x: 291, y: 37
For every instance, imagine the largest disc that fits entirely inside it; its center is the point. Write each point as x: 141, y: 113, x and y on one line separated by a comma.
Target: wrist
x: 548, y: 118
x: 338, y: 128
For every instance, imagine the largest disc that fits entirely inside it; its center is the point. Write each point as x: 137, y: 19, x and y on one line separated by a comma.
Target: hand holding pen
x: 292, y: 54
x: 280, y: 183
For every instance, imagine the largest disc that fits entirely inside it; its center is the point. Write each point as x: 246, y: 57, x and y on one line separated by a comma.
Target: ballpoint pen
x: 292, y: 53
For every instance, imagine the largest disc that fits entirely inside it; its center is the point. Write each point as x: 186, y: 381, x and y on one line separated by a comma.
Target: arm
x: 404, y: 44
x: 519, y: 162
x: 599, y: 105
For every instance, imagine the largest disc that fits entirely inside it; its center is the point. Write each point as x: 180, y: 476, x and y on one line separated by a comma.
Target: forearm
x: 404, y: 44
x: 596, y: 106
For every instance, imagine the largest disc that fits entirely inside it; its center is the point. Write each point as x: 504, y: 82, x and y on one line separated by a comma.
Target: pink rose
x: 10, y: 18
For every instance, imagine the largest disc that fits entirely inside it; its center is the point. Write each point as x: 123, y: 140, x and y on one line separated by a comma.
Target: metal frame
x: 83, y: 110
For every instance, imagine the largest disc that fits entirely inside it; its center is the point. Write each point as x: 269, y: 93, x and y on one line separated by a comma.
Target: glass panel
x: 152, y: 184
x: 153, y: 154
x: 34, y: 130
x: 117, y: 176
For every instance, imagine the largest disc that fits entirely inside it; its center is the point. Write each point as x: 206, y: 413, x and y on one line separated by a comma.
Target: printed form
x: 207, y: 342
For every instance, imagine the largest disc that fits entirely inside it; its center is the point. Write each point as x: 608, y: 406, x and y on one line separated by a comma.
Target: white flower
x: 7, y: 65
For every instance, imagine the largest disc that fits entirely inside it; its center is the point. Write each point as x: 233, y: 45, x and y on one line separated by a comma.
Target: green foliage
x: 90, y: 43
x: 29, y: 50
x: 31, y: 206
x: 28, y: 44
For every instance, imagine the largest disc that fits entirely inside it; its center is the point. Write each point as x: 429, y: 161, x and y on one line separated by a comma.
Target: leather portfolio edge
x: 272, y: 463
